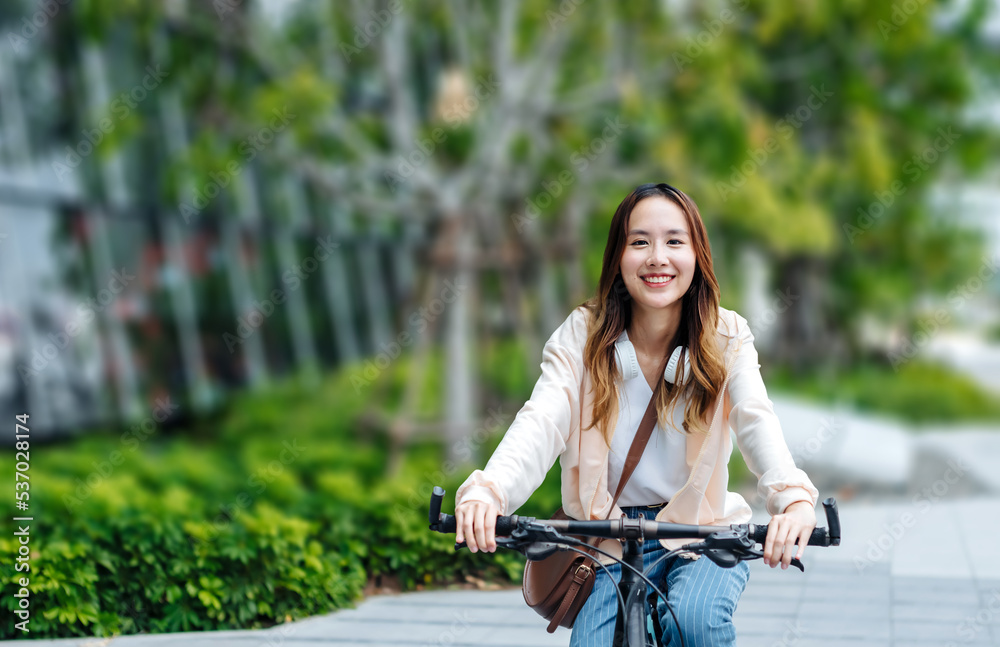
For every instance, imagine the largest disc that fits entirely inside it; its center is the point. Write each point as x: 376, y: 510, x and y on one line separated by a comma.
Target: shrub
x: 278, y: 511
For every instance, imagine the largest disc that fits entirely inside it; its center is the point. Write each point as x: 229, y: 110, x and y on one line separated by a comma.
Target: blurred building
x: 114, y: 296
x: 111, y: 299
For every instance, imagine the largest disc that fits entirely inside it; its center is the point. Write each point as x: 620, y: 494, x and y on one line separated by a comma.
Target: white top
x: 662, y: 469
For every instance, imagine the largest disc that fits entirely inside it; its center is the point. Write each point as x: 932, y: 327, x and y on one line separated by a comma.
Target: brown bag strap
x: 640, y: 441
x: 580, y: 574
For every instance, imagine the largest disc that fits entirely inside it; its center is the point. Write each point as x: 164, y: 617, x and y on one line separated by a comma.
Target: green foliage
x: 811, y: 131
x: 918, y: 392
x: 278, y: 511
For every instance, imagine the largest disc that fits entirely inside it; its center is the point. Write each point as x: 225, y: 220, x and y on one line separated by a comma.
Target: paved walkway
x: 911, y: 573
x: 880, y: 456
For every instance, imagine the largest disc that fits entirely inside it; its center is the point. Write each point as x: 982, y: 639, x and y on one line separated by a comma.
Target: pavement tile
x: 514, y: 637
x: 776, y: 576
x: 842, y: 609
x: 854, y: 628
x: 757, y: 626
x: 980, y: 518
x: 989, y: 595
x: 448, y: 614
x: 849, y: 577
x: 836, y: 642
x: 940, y: 632
x: 763, y: 608
x: 925, y: 611
x: 920, y: 550
x: 826, y: 594
x: 779, y: 597
x: 937, y: 583
x: 920, y: 595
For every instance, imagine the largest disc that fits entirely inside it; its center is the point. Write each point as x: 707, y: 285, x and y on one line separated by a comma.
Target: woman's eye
x: 638, y: 242
x: 672, y: 241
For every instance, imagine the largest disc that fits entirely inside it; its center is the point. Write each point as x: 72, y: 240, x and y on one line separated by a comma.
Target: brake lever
x: 506, y: 542
x: 757, y: 554
x: 727, y: 548
x: 540, y: 550
x: 528, y: 540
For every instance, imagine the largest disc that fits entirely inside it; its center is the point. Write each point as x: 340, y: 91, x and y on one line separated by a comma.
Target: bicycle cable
x: 641, y: 575
x: 673, y: 553
x: 677, y: 623
x: 621, y: 598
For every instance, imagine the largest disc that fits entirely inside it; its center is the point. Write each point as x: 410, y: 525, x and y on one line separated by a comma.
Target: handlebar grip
x: 445, y: 523
x: 437, y: 496
x: 505, y: 524
x: 832, y: 520
x: 819, y: 537
x: 829, y: 536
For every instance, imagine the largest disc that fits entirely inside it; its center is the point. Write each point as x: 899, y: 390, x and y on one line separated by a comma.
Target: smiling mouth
x: 657, y: 281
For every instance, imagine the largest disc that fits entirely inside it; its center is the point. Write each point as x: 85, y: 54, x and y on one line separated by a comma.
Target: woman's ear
x: 670, y: 372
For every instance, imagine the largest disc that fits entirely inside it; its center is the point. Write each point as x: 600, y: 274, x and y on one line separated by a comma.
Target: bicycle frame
x: 633, y: 590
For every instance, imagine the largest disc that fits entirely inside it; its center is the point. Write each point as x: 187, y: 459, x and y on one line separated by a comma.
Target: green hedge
x: 215, y: 527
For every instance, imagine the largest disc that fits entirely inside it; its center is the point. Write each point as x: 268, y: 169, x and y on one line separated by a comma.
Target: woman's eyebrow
x: 670, y: 232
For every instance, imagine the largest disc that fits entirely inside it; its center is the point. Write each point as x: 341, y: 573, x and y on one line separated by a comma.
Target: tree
x: 506, y: 133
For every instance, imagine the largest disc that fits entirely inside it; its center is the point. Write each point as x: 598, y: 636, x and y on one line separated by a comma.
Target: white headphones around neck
x: 628, y: 362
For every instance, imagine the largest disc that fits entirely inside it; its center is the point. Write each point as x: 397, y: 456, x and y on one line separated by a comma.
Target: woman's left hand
x: 795, y: 523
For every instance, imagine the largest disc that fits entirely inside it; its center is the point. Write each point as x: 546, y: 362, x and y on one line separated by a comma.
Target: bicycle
x: 537, y: 539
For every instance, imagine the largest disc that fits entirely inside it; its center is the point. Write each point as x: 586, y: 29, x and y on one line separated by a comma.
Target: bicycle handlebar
x: 619, y: 529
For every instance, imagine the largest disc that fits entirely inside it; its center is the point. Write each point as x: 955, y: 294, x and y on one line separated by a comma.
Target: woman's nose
x: 659, y: 255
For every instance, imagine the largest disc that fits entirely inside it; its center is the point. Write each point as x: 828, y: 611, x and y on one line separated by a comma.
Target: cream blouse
x: 662, y: 469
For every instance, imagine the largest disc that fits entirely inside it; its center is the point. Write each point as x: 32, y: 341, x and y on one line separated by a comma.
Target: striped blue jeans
x: 703, y: 596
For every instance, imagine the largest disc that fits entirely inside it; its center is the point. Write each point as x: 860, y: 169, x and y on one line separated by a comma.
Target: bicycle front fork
x: 632, y: 623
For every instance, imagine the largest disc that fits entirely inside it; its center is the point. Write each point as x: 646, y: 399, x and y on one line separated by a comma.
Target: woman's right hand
x: 476, y: 525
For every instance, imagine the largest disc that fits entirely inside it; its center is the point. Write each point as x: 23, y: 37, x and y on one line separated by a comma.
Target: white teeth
x: 657, y: 279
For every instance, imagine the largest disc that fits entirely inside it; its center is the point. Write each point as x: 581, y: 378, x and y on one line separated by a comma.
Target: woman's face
x: 658, y: 263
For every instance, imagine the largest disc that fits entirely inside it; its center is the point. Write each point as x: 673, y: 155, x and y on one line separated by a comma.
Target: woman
x: 657, y: 292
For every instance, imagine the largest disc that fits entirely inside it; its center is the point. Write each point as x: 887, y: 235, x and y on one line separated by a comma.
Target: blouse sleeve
x: 758, y: 433
x: 538, y: 434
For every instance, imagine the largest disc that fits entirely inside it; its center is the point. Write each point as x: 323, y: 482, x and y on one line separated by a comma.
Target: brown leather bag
x: 557, y: 586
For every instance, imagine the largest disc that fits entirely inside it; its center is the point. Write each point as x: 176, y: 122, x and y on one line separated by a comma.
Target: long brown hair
x: 611, y: 313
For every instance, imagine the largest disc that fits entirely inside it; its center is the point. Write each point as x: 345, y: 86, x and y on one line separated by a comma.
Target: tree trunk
x: 460, y: 377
